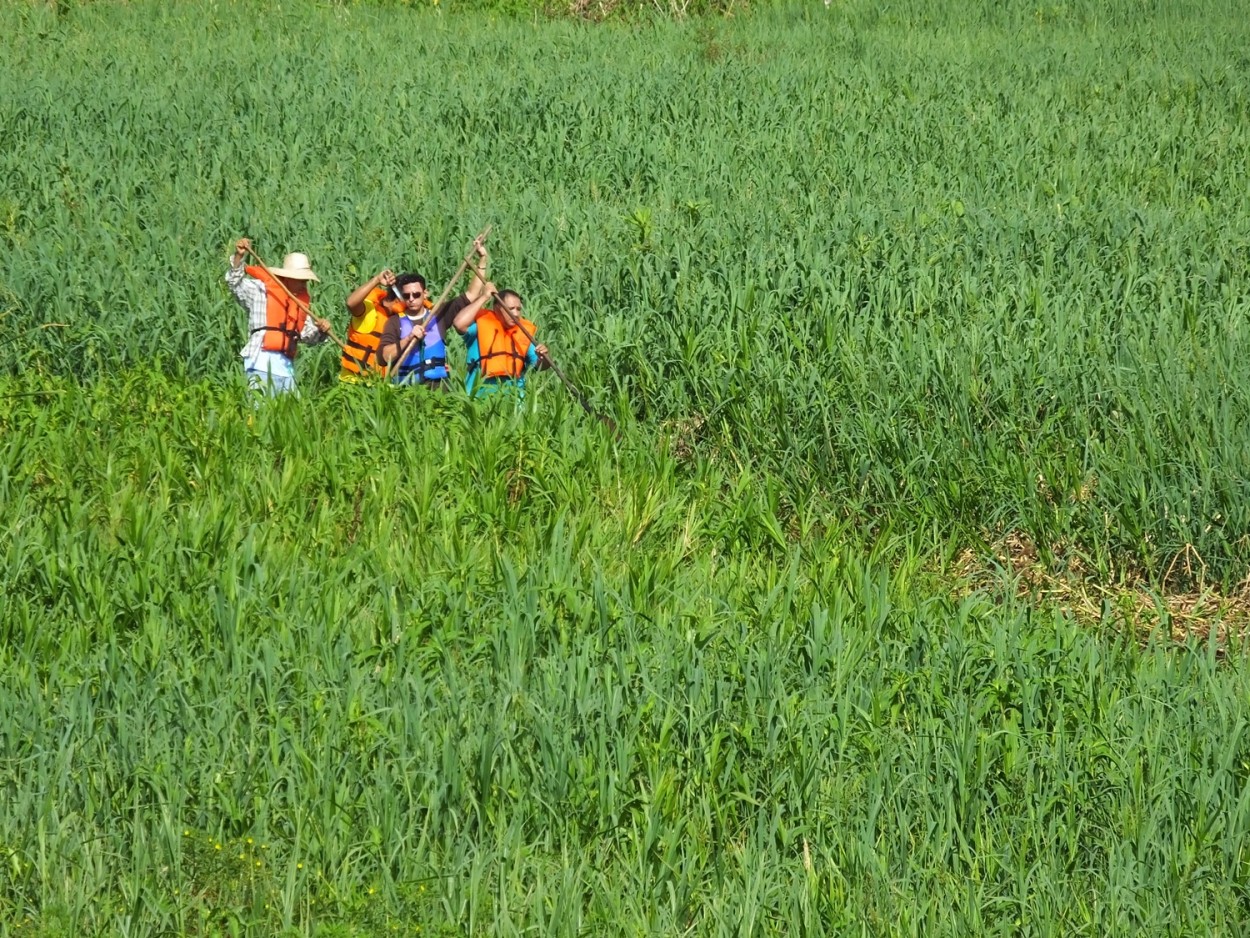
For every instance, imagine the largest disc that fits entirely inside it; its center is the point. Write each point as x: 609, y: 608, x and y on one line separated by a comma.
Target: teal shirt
x: 472, y: 358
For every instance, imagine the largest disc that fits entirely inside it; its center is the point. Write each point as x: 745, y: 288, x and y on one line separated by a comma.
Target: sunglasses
x: 412, y: 296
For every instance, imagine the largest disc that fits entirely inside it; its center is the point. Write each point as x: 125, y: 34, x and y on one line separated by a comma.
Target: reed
x: 862, y: 287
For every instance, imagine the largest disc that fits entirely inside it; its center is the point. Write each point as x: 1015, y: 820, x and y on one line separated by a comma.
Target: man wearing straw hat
x: 276, y: 300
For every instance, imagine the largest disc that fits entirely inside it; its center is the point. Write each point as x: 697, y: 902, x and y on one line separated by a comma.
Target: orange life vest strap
x: 501, y: 351
x: 284, y: 318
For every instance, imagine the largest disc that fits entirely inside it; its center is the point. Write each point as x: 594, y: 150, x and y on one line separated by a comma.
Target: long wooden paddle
x: 295, y: 299
x: 581, y: 398
x: 434, y: 310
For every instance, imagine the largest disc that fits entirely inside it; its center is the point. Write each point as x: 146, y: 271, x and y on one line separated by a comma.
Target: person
x: 413, y: 345
x: 370, y: 306
x: 498, y: 350
x: 276, y: 300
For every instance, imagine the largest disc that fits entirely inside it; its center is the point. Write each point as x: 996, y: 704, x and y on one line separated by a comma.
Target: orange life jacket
x: 361, y: 352
x: 501, y: 349
x: 362, y: 344
x: 284, y: 319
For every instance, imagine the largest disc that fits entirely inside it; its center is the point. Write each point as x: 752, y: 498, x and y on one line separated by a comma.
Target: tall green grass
x: 982, y: 272
x: 259, y: 684
x: 863, y: 285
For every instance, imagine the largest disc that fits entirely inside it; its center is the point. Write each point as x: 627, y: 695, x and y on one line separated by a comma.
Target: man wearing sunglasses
x: 413, y: 344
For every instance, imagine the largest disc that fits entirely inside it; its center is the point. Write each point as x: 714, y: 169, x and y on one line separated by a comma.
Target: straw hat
x: 295, y: 267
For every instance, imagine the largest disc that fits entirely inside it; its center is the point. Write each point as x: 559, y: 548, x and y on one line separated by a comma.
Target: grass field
x: 878, y: 295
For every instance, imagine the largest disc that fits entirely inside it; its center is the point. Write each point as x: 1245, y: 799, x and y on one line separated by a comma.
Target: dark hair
x: 504, y: 294
x: 404, y: 279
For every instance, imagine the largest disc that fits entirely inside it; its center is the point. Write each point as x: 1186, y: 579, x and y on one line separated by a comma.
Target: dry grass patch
x: 1132, y: 603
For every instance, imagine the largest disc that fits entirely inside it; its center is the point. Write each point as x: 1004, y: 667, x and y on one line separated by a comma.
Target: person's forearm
x: 356, y: 299
x: 393, y: 349
x: 466, y: 316
x: 477, y: 284
x: 405, y: 347
x: 244, y: 288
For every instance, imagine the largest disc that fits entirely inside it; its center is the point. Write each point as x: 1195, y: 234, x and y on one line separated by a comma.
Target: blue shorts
x: 271, y: 373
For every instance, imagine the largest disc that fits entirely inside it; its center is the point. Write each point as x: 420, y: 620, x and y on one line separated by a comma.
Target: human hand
x: 542, y: 352
x: 241, y: 247
x: 386, y: 278
x: 323, y: 324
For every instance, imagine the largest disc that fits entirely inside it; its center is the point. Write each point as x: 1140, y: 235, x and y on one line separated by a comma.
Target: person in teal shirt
x: 499, y: 341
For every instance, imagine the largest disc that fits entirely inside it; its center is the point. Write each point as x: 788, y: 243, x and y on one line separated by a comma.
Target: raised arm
x: 477, y: 285
x: 445, y: 314
x: 356, y: 299
x: 468, y: 315
x: 245, y: 289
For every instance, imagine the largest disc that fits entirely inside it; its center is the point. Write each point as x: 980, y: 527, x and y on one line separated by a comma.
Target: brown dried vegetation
x: 1131, y: 603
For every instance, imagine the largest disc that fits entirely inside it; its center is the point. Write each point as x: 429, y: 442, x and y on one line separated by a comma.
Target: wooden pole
x: 581, y: 398
x: 394, y: 367
x: 294, y: 299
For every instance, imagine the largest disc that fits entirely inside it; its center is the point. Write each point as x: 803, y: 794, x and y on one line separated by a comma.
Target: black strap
x: 510, y: 353
x: 423, y: 364
x: 292, y: 336
x: 354, y: 351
